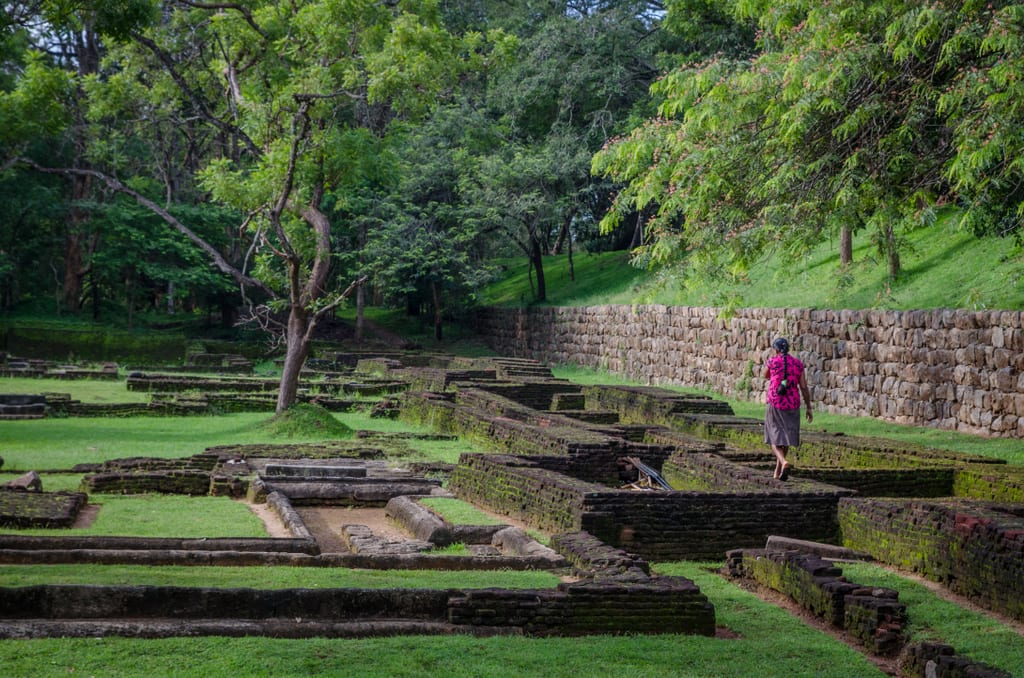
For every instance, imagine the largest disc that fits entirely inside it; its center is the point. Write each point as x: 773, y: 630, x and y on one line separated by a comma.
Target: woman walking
x: 786, y: 383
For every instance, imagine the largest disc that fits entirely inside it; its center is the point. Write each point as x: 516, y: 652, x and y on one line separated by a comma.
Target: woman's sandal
x: 785, y: 472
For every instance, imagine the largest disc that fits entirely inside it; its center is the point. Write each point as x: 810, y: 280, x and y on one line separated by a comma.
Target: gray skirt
x: 782, y: 427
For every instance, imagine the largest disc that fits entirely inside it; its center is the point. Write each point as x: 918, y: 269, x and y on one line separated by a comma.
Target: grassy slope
x: 942, y: 268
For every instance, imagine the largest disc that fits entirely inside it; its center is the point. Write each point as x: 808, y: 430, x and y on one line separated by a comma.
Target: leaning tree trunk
x: 538, y: 264
x: 360, y: 293
x: 74, y: 271
x: 299, y: 339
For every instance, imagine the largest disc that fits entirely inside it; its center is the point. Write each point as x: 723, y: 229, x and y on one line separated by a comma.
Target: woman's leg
x: 780, y: 458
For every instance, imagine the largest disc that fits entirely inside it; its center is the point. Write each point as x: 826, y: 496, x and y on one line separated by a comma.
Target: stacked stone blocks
x: 874, y: 616
x: 952, y: 369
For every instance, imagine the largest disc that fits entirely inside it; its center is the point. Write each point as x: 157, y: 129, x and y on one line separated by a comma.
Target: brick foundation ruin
x: 556, y: 456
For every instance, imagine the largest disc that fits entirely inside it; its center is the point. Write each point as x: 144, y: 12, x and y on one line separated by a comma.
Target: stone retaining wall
x: 956, y: 370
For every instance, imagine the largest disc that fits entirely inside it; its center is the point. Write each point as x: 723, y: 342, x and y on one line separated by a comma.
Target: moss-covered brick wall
x: 167, y: 384
x: 523, y: 488
x: 178, y: 481
x: 538, y: 395
x: 654, y: 525
x: 822, y: 449
x: 704, y: 525
x: 922, y: 482
x: 665, y: 605
x: 953, y: 369
x: 587, y: 553
x: 975, y: 548
x: 500, y: 424
x: 938, y: 660
x: 874, y: 616
x: 651, y: 405
x: 712, y: 470
x: 21, y: 509
x: 440, y: 379
x: 990, y: 483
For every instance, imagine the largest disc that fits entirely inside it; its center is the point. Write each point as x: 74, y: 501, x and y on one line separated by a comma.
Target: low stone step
x: 273, y: 628
x: 314, y: 471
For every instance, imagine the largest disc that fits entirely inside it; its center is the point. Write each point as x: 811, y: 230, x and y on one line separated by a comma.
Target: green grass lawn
x: 162, y: 515
x: 974, y: 634
x: 269, y: 577
x: 50, y: 444
x: 431, y: 657
x: 943, y: 267
x: 593, y: 279
x: 765, y: 641
x: 86, y: 390
x: 458, y: 512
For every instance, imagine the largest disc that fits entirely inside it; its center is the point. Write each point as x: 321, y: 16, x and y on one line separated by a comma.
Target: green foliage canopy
x: 859, y: 115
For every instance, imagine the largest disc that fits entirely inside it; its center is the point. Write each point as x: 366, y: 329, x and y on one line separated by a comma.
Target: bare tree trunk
x: 360, y: 322
x: 94, y: 290
x: 74, y: 272
x: 299, y: 339
x: 538, y: 264
x: 360, y: 293
x: 572, y: 268
x: 845, y: 246
x: 638, y: 232
x: 435, y: 292
x: 892, y: 251
x: 76, y: 266
x: 130, y: 288
x: 75, y: 249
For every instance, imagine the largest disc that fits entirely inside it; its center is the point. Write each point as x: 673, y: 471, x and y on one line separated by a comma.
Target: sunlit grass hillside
x: 943, y: 267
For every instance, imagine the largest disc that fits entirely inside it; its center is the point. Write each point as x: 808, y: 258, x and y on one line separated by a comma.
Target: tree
x: 284, y: 85
x: 426, y: 244
x: 852, y: 116
x: 583, y: 69
x: 67, y: 35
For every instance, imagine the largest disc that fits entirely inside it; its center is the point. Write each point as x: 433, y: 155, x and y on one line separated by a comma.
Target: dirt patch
x: 325, y: 524
x: 86, y: 517
x: 271, y: 522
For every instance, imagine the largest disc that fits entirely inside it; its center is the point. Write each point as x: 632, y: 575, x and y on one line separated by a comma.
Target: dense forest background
x: 272, y: 161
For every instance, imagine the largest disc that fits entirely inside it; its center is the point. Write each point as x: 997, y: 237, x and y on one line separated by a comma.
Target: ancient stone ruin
x: 620, y: 476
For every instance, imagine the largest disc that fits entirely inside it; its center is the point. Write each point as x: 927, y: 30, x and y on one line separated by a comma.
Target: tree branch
x: 243, y: 10
x: 218, y: 260
x: 337, y: 300
x: 202, y: 105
